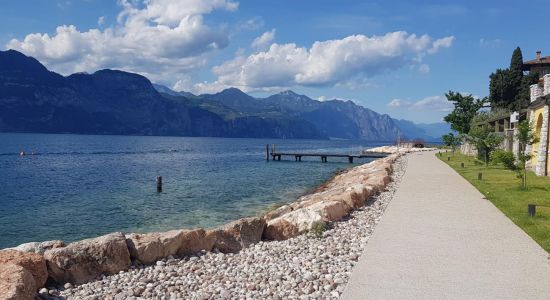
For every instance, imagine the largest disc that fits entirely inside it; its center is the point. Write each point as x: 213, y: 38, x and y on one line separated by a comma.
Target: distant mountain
x: 166, y: 90
x: 33, y: 99
x: 429, y: 132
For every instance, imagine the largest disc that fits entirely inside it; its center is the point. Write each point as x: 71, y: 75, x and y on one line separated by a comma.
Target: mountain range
x: 34, y: 99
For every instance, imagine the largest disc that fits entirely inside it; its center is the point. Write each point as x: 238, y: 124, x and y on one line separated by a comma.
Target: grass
x: 503, y: 189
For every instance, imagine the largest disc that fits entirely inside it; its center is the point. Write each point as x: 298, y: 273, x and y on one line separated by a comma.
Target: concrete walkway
x: 439, y: 239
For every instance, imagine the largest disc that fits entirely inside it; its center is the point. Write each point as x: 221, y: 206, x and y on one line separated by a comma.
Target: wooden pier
x: 276, y: 156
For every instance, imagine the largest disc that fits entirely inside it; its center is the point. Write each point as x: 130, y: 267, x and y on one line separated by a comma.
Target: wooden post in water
x: 159, y: 184
x: 267, y: 152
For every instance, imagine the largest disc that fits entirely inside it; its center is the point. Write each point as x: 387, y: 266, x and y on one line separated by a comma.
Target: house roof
x: 542, y: 62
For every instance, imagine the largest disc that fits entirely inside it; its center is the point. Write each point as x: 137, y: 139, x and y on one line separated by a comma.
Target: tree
x: 465, y: 109
x: 509, y: 88
x: 516, y: 70
x: 485, y: 140
x: 524, y: 96
x: 525, y: 137
x: 451, y: 140
x: 500, y: 91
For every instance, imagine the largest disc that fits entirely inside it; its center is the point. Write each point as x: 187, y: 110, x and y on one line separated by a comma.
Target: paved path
x: 439, y: 239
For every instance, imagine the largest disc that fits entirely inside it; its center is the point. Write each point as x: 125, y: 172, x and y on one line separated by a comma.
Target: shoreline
x: 308, y: 266
x: 328, y: 203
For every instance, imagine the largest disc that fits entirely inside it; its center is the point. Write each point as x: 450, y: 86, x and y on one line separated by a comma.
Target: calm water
x: 84, y: 186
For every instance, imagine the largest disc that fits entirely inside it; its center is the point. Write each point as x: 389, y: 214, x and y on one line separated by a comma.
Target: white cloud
x: 397, y: 103
x: 431, y: 103
x: 183, y: 84
x: 156, y: 38
x: 445, y: 42
x: 101, y: 21
x: 489, y: 43
x: 434, y: 103
x: 252, y: 24
x: 325, y: 63
x: 424, y: 68
x: 264, y: 40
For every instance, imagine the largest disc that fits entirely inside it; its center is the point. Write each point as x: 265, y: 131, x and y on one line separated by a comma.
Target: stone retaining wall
x: 24, y: 269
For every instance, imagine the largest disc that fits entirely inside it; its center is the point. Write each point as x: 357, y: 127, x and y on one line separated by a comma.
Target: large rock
x: 85, y: 260
x: 16, y: 283
x: 280, y: 229
x: 239, y: 234
x: 32, y: 262
x: 39, y: 247
x: 278, y: 212
x: 330, y: 210
x: 378, y: 181
x: 291, y: 224
x: 150, y: 247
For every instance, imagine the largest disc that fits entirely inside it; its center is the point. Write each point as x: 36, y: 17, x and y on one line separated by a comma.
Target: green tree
x: 450, y: 140
x: 525, y: 137
x: 485, y: 140
x: 506, y: 86
x: 524, y: 97
x: 499, y: 89
x: 465, y: 109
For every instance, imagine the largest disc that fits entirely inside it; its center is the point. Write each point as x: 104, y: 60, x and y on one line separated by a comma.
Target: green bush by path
x: 503, y: 189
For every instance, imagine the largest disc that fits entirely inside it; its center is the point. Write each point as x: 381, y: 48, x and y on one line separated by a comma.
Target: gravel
x: 305, y: 267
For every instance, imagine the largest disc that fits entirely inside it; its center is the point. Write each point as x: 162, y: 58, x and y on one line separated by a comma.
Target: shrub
x: 318, y: 228
x: 506, y: 158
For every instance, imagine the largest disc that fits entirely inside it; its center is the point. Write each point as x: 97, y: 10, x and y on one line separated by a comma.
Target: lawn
x: 503, y: 189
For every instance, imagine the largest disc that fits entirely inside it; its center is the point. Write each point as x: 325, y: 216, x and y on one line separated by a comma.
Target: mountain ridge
x: 34, y: 99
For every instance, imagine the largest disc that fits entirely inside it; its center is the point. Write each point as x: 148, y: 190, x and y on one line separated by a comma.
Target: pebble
x: 305, y: 267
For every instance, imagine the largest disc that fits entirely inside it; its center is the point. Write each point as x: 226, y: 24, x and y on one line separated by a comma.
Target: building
x: 538, y: 111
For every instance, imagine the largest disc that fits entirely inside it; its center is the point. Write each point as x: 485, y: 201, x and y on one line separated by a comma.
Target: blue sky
x: 397, y: 58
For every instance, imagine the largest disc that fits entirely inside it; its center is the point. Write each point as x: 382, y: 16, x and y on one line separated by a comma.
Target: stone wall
x: 24, y: 269
x: 468, y: 149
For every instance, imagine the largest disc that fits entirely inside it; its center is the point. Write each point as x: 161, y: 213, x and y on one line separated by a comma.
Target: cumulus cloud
x: 157, y: 38
x: 397, y: 103
x: 431, y: 103
x: 264, y: 40
x: 445, y: 42
x: 325, y: 63
x: 101, y: 20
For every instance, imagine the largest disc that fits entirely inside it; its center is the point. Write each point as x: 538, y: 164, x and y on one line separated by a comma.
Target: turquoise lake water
x: 80, y: 186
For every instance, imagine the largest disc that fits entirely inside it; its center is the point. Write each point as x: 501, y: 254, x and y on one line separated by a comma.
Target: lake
x: 81, y: 186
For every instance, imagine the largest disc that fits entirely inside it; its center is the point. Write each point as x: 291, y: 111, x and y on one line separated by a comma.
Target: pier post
x: 159, y: 184
x: 267, y: 152
x: 350, y: 159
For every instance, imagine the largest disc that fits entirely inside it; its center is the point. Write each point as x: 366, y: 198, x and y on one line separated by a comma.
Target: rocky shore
x: 395, y: 149
x: 302, y: 250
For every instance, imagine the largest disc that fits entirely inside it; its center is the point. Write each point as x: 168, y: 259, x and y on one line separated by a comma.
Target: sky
x: 397, y: 57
